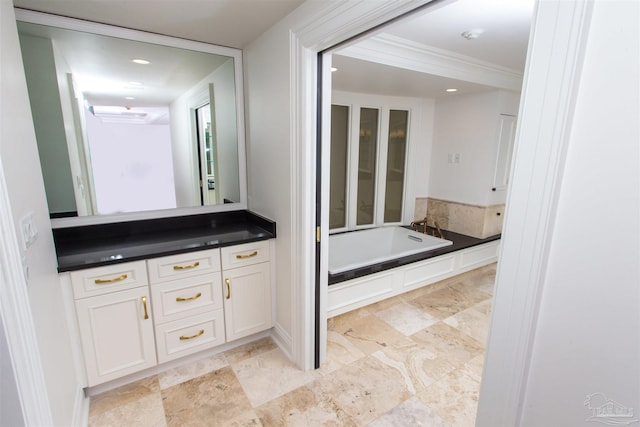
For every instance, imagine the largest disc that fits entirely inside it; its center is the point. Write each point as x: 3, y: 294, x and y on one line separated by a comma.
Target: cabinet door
x: 117, y: 334
x: 247, y: 300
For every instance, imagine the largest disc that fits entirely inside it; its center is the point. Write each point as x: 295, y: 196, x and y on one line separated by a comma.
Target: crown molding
x: 327, y: 24
x: 398, y: 52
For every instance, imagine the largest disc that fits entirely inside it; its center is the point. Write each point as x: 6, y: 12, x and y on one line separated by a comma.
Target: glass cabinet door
x: 367, y: 170
x: 396, y: 153
x: 338, y: 168
x: 367, y: 154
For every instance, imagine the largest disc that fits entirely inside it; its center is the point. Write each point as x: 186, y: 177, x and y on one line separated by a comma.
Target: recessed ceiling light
x: 334, y: 69
x: 135, y: 83
x: 129, y: 98
x: 141, y: 61
x: 452, y: 90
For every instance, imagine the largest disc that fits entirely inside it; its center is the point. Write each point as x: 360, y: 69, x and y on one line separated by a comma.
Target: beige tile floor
x: 412, y: 360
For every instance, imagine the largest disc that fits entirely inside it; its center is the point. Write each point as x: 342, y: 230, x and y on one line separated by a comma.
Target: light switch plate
x: 29, y: 230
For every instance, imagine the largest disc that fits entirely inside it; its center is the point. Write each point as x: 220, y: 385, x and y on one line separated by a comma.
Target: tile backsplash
x: 472, y: 220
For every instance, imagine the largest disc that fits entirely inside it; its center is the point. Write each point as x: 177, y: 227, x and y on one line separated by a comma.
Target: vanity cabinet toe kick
x: 133, y: 316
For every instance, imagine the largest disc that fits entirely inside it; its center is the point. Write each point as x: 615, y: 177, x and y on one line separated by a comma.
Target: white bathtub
x: 355, y: 249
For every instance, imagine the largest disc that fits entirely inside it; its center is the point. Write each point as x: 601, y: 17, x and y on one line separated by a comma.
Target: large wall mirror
x: 132, y: 125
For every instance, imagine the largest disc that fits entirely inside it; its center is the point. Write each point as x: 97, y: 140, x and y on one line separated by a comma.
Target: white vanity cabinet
x: 247, y: 289
x: 114, y: 320
x: 186, y: 294
x: 134, y: 315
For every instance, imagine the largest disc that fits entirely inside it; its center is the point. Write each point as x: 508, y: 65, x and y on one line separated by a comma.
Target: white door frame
x: 18, y: 321
x: 555, y: 56
x: 556, y: 53
x: 333, y: 24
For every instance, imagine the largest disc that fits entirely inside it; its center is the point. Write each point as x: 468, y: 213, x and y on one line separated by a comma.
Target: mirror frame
x: 142, y: 36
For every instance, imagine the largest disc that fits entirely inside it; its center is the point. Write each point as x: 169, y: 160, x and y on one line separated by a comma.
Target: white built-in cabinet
x: 186, y: 295
x: 134, y: 315
x: 247, y: 292
x: 115, y: 320
x: 369, y: 147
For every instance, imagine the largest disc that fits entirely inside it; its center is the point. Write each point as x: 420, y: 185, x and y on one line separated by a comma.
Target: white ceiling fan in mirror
x: 115, y: 113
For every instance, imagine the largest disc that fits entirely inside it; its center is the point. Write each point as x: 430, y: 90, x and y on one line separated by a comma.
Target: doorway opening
x: 359, y: 62
x: 207, y: 161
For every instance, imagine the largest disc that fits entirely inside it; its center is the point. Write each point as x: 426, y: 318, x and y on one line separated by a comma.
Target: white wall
x: 19, y: 156
x: 47, y: 111
x: 467, y: 125
x: 185, y: 155
x: 266, y: 68
x: 226, y: 131
x: 10, y: 405
x: 184, y: 151
x: 588, y: 330
x: 421, y: 122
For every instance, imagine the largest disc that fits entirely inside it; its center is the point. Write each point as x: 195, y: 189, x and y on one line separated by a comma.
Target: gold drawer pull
x: 183, y: 338
x: 115, y: 279
x: 252, y: 254
x: 228, y: 282
x: 196, y: 296
x: 144, y: 304
x: 186, y: 267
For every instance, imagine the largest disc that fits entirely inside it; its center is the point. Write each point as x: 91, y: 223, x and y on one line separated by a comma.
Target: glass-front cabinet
x: 368, y: 162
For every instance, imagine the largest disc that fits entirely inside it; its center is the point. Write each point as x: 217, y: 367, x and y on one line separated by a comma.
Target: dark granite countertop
x: 97, y: 245
x: 460, y: 241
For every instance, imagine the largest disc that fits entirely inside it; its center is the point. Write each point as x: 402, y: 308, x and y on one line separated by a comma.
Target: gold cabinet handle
x: 196, y: 296
x: 183, y: 338
x: 252, y: 254
x: 115, y: 279
x: 144, y: 304
x: 228, y: 282
x: 186, y: 267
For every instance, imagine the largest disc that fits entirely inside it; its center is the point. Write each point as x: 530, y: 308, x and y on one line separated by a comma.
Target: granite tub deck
x: 97, y: 245
x: 460, y: 242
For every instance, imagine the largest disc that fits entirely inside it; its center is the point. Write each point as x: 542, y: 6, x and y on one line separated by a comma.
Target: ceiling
x: 231, y: 23
x: 505, y: 26
x: 102, y: 67
x: 104, y: 72
x: 235, y: 23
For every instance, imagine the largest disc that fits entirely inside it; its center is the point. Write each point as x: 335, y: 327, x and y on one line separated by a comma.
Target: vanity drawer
x: 186, y: 297
x: 183, y: 265
x: 190, y: 335
x: 110, y: 278
x: 245, y: 254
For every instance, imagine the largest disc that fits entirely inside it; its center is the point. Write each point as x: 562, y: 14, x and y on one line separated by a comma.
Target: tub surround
x: 97, y: 245
x: 472, y: 220
x: 361, y: 248
x: 460, y: 241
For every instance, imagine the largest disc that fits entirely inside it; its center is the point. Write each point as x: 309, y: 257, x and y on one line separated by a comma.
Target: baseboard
x: 283, y: 340
x: 81, y: 409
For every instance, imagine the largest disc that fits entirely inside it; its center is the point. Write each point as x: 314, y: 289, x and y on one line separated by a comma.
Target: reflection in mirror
x: 126, y: 125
